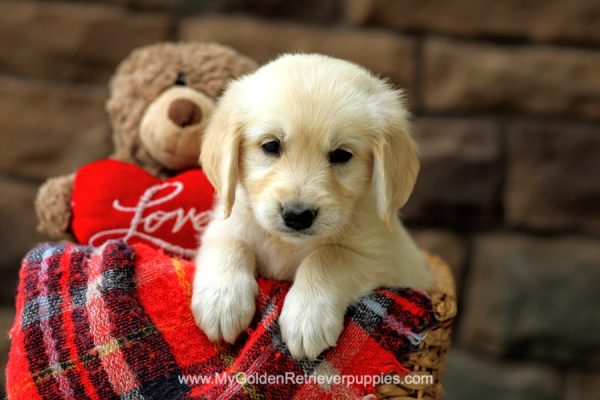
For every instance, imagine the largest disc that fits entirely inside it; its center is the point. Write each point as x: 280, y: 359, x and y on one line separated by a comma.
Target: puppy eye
x: 273, y: 147
x: 339, y: 156
x: 181, y: 79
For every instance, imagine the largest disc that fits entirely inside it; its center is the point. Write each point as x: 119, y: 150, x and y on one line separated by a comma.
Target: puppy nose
x: 184, y: 112
x: 298, y: 216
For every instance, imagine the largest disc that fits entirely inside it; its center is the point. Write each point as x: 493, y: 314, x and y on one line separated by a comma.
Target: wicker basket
x: 430, y: 359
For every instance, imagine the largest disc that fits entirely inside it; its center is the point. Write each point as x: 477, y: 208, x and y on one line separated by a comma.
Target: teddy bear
x: 160, y: 99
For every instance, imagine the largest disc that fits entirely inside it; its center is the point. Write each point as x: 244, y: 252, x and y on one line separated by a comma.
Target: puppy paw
x: 224, y: 307
x: 310, y: 325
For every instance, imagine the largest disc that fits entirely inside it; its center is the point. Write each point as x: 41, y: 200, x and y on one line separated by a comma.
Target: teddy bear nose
x: 184, y: 112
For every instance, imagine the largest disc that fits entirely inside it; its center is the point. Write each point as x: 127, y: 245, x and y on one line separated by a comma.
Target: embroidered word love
x: 144, y: 224
x: 113, y: 199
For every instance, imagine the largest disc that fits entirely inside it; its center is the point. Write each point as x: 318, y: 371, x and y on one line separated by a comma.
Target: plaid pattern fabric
x: 114, y: 322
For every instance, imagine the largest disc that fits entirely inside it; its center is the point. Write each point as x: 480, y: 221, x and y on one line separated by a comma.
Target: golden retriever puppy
x: 311, y: 157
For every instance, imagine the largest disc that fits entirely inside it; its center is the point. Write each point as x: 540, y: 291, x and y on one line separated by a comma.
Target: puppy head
x: 306, y: 137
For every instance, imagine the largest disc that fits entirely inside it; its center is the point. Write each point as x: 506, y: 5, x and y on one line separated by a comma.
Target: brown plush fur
x: 147, y: 78
x: 148, y: 72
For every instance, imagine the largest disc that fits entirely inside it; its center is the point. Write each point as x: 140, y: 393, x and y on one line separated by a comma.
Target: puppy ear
x: 219, y: 156
x: 395, y: 157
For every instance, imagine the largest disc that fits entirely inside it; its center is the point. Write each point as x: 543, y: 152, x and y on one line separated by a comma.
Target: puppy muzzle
x: 298, y: 216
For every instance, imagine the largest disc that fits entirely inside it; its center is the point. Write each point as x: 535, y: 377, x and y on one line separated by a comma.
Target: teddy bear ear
x: 219, y: 156
x: 245, y: 65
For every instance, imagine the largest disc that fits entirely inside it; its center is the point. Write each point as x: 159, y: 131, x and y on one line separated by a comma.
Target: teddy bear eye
x: 181, y: 80
x: 339, y: 156
x: 273, y: 147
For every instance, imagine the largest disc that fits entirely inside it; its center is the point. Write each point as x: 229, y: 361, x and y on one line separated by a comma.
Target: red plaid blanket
x: 115, y: 322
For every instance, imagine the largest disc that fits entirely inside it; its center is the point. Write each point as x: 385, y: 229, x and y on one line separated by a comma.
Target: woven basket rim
x: 443, y: 289
x: 430, y: 359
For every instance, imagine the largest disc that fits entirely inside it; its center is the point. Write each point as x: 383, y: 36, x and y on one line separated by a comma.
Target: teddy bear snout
x: 184, y: 112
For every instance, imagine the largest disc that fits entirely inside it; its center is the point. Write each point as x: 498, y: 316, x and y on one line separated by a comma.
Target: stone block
x: 553, y: 181
x: 50, y: 129
x: 467, y: 77
x: 534, y: 298
x: 460, y: 173
x: 74, y: 42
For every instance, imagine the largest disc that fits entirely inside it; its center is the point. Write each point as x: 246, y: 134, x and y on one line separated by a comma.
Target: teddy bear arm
x: 53, y: 206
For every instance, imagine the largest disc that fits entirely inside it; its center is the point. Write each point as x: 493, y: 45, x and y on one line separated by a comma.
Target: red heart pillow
x: 116, y: 200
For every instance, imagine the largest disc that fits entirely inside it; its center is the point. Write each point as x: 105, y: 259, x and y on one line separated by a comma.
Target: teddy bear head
x: 161, y: 97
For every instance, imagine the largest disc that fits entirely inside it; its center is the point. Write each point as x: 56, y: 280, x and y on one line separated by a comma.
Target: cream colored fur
x: 312, y: 105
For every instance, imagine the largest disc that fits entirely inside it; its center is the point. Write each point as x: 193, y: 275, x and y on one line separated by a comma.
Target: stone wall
x: 506, y: 98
